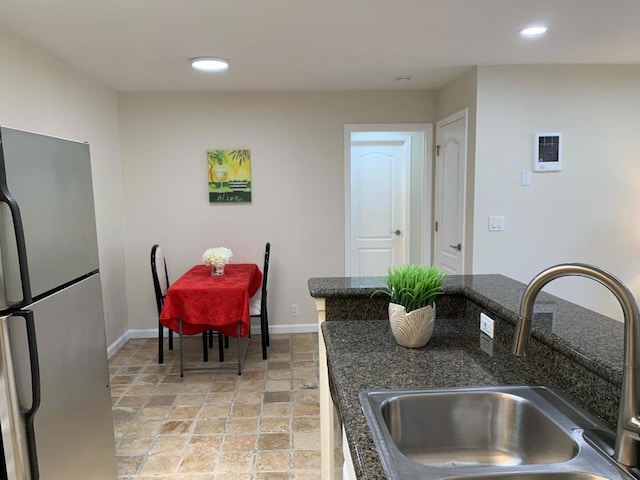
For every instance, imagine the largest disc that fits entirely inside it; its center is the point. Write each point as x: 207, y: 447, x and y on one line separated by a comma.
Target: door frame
x: 427, y: 181
x: 461, y: 114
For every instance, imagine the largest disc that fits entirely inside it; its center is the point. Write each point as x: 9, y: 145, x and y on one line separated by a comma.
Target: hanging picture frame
x: 229, y: 176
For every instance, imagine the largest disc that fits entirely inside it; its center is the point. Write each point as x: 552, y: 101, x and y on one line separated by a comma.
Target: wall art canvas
x: 229, y: 176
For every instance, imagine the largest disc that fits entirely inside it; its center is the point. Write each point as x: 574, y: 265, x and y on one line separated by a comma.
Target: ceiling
x: 321, y: 45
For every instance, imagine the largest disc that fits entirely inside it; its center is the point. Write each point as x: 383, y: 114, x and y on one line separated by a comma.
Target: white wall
x: 296, y: 143
x: 40, y: 94
x: 589, y: 211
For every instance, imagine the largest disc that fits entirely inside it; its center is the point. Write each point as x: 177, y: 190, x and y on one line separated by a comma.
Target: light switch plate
x: 496, y: 223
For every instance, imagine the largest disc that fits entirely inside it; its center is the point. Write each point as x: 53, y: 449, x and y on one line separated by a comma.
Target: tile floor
x: 217, y: 425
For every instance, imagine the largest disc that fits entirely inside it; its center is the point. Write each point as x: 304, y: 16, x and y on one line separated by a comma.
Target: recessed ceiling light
x: 210, y: 64
x: 534, y: 31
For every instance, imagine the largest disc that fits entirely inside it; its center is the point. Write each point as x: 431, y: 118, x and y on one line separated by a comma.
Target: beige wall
x: 588, y: 211
x: 40, y: 94
x: 457, y: 95
x: 296, y: 142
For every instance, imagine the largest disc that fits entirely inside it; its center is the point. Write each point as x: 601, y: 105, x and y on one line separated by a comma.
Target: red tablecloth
x: 212, y: 303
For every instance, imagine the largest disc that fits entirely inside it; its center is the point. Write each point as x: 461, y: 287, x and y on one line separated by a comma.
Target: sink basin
x: 484, y: 432
x: 475, y: 428
x: 539, y: 476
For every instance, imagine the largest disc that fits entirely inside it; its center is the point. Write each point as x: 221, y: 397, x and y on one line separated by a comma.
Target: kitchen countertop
x: 573, y: 344
x: 363, y: 354
x: 593, y: 338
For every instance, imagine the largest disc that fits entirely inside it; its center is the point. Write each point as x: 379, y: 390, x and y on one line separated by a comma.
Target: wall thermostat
x: 547, y: 152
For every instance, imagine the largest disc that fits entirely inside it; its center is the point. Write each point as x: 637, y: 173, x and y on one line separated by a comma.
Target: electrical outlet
x: 294, y: 310
x: 486, y: 325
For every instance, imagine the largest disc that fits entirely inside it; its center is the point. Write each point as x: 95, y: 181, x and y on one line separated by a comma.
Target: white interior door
x: 379, y: 205
x: 451, y: 160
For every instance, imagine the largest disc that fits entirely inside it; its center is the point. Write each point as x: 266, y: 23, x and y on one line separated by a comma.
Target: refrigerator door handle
x: 29, y: 415
x: 6, y: 197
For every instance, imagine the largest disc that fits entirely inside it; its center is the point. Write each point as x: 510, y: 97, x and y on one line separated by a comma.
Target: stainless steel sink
x: 539, y: 476
x: 484, y: 432
x: 475, y: 428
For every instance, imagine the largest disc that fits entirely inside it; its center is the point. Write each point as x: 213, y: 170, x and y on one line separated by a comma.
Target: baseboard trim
x: 255, y: 330
x: 117, y: 345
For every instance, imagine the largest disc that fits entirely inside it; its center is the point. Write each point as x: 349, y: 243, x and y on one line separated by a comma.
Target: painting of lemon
x: 229, y: 175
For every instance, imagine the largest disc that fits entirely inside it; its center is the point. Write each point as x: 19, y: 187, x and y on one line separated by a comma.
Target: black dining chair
x: 160, y: 286
x: 258, y: 303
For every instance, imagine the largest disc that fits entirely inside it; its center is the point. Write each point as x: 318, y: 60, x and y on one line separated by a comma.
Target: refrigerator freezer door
x: 73, y: 428
x: 13, y: 431
x: 50, y: 179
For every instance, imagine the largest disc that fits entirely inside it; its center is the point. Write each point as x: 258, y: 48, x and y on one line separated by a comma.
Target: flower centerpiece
x: 217, y: 258
x: 412, y: 290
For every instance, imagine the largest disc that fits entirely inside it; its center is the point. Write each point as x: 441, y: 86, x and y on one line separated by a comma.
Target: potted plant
x: 413, y: 290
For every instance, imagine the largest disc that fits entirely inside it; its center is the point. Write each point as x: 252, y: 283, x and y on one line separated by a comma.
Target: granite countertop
x: 594, y: 339
x: 362, y: 354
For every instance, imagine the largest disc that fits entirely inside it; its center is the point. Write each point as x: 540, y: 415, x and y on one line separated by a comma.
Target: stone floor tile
x: 145, y: 428
x: 306, y: 440
x: 305, y: 424
x: 274, y: 441
x: 215, y: 411
x: 279, y: 375
x: 176, y: 427
x: 276, y: 410
x: 153, y: 413
x: 205, y: 443
x: 128, y: 466
x: 233, y: 476
x: 278, y: 385
x: 156, y: 400
x: 306, y: 459
x: 274, y: 476
x: 236, y: 462
x: 197, y: 463
x: 217, y: 425
x: 160, y: 464
x: 171, y: 444
x: 306, y: 396
x: 242, y: 424
x: 275, y: 424
x: 275, y: 460
x: 277, y: 397
x: 307, y: 475
x: 134, y: 445
x: 243, y: 411
x: 210, y: 426
x: 241, y: 442
x: 183, y: 413
x: 134, y: 401
x: 306, y: 409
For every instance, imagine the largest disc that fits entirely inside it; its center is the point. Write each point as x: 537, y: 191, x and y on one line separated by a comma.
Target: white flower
x: 217, y: 256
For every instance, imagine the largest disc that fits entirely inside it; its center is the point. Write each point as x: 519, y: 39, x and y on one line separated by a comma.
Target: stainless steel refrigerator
x: 55, y: 405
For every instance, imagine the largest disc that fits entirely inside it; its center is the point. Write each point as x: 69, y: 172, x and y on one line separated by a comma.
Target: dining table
x: 206, y: 302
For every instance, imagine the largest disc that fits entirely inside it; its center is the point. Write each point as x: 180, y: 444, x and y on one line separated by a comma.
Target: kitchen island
x: 573, y: 350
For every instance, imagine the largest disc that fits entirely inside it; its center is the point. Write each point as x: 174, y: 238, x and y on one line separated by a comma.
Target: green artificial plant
x: 414, y: 286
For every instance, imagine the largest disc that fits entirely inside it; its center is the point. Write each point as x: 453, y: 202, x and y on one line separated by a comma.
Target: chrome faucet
x: 627, y: 448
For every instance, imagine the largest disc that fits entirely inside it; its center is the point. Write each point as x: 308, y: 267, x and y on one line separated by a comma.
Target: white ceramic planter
x: 413, y: 329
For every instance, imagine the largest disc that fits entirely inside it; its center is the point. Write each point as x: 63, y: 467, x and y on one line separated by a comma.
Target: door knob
x: 397, y: 232
x: 457, y: 247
